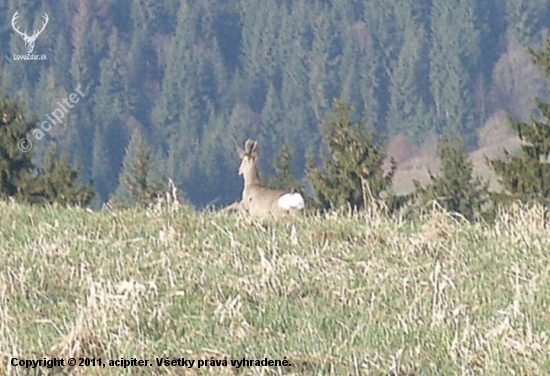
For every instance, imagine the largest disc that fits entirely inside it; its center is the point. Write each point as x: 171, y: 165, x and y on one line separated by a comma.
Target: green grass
x: 340, y: 294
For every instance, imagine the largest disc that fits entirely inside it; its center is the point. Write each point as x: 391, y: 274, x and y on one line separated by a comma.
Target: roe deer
x: 257, y: 199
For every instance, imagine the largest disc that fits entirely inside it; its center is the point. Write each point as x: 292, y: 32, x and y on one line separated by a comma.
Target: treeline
x: 194, y: 78
x: 353, y: 171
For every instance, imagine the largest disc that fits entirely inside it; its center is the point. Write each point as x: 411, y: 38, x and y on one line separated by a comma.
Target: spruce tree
x: 455, y: 188
x: 15, y: 164
x: 352, y: 170
x: 527, y: 176
x: 137, y: 184
x: 57, y: 182
x: 406, y: 107
x: 283, y: 178
x: 455, y: 55
x: 110, y: 113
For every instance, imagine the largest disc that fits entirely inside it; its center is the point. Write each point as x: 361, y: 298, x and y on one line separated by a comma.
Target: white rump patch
x: 291, y: 201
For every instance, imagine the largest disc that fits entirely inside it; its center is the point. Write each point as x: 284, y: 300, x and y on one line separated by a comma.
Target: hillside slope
x: 339, y: 294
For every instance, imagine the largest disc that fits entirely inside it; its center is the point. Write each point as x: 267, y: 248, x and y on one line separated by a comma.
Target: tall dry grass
x: 344, y: 293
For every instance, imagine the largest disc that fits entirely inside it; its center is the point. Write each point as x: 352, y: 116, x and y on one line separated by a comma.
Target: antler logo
x: 29, y: 40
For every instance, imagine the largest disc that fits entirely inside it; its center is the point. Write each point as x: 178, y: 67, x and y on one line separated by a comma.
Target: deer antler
x: 15, y: 16
x: 248, y: 146
x: 251, y: 147
x: 35, y: 34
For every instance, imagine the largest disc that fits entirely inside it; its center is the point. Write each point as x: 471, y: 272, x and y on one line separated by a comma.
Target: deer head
x: 29, y: 40
x: 248, y: 156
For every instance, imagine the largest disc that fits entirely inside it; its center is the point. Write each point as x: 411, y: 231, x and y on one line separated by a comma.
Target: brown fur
x: 257, y: 199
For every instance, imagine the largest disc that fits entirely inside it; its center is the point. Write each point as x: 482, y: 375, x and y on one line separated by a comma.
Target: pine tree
x: 137, y: 183
x: 527, y: 175
x: 352, y: 171
x: 58, y: 183
x: 455, y: 188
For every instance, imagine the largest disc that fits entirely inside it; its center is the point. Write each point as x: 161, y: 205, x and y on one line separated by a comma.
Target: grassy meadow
x: 341, y: 294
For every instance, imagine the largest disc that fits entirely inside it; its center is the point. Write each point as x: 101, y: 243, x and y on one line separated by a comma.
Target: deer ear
x: 255, y: 146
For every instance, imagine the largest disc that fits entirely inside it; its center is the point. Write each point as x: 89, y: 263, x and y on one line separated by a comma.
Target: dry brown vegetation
x: 342, y: 294
x: 516, y: 83
x: 494, y: 137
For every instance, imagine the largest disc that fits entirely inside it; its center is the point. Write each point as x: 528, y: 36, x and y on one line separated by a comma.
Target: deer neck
x: 252, y: 178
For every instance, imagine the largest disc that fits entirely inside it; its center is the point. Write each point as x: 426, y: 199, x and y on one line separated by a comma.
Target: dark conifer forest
x: 196, y: 78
